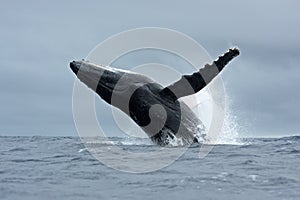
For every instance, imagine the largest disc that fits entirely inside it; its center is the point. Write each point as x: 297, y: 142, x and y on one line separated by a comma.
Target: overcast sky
x: 39, y: 38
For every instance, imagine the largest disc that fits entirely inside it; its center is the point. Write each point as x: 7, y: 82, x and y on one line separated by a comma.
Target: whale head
x: 107, y: 81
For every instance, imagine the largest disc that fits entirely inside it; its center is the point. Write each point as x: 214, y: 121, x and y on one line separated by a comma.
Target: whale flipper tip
x: 235, y: 50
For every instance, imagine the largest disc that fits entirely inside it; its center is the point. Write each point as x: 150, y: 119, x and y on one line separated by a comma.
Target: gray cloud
x: 38, y: 39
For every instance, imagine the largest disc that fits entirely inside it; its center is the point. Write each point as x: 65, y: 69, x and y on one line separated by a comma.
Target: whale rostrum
x: 156, y: 109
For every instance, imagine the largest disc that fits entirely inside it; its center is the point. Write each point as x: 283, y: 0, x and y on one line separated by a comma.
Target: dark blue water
x: 61, y: 168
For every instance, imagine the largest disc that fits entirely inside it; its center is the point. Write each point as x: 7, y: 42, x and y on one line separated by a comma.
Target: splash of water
x: 230, y: 130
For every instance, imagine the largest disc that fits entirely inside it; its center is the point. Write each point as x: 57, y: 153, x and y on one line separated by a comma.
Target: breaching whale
x: 156, y: 109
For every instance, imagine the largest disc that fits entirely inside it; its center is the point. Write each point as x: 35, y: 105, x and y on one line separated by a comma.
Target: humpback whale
x: 156, y: 109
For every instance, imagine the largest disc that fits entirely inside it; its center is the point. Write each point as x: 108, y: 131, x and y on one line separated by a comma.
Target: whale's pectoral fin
x: 191, y: 84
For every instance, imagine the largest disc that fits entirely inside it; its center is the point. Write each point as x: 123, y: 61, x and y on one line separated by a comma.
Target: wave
x: 133, y: 141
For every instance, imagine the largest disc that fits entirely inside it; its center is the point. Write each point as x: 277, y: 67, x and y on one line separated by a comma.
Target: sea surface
x: 63, y: 168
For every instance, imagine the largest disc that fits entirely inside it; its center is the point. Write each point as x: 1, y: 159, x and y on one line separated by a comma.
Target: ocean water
x: 62, y: 168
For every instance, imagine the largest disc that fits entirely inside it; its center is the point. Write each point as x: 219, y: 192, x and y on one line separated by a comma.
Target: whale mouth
x: 95, y: 75
x: 101, y: 79
x: 105, y: 80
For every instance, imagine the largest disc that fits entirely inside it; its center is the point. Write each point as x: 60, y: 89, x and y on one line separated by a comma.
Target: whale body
x: 156, y: 109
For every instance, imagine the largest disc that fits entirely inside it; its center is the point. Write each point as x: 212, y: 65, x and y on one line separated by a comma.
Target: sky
x: 39, y: 38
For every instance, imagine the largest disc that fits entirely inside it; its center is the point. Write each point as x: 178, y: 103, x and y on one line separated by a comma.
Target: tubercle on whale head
x: 100, y: 78
x: 74, y: 66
